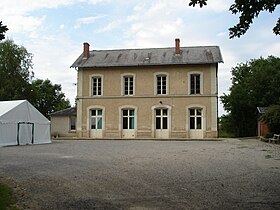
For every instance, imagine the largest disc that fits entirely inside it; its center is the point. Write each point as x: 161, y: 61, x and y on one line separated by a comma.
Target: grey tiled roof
x: 72, y: 111
x: 150, y: 57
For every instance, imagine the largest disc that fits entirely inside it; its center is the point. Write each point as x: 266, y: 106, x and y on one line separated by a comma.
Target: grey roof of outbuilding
x: 150, y: 57
x: 72, y: 111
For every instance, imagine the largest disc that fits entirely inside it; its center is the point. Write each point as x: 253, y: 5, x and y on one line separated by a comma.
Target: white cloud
x: 112, y: 25
x: 87, y: 20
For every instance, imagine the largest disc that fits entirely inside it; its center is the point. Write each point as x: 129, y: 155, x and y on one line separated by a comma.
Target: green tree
x: 3, y: 30
x: 272, y: 118
x: 47, y: 98
x: 254, y: 83
x: 17, y: 81
x: 248, y: 10
x: 15, y: 71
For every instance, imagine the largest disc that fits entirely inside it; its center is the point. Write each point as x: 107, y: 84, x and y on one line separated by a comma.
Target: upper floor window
x: 161, y: 86
x: 195, y: 83
x: 128, y: 85
x: 97, y: 86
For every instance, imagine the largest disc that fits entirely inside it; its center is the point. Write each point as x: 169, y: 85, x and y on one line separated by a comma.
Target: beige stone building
x: 148, y: 93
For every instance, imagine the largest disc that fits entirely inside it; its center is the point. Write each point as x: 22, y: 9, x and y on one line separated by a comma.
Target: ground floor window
x: 96, y: 119
x: 128, y: 118
x: 161, y: 118
x: 73, y: 120
x: 195, y: 118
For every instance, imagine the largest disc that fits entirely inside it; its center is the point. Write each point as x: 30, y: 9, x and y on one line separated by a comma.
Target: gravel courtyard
x: 228, y: 174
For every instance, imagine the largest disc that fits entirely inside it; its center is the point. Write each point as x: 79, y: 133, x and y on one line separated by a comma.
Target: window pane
x: 131, y: 112
x: 164, y: 123
x: 164, y: 112
x: 158, y: 112
x: 125, y: 123
x: 198, y: 112
x: 192, y: 111
x: 192, y: 123
x: 125, y: 112
x: 158, y: 124
x: 131, y: 123
x: 198, y: 123
x: 72, y: 123
x: 197, y: 86
x: 93, y: 112
x: 99, y: 123
x: 93, y: 123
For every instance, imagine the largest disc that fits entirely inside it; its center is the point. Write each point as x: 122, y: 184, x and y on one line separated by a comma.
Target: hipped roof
x: 150, y: 57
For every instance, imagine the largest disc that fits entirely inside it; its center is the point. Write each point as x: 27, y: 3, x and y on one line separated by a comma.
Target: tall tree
x: 248, y: 10
x: 3, y: 30
x: 15, y: 71
x: 47, y: 98
x: 254, y: 83
x: 17, y: 81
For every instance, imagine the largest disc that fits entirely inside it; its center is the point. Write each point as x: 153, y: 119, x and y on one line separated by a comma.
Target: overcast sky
x: 54, y: 31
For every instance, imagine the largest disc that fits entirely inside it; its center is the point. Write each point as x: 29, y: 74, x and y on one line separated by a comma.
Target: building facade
x: 161, y: 93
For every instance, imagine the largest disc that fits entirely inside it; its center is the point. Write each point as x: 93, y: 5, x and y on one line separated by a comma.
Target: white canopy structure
x: 21, y: 123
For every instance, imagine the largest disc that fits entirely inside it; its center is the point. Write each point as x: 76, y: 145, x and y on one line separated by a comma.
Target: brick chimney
x: 177, y: 46
x: 86, y: 50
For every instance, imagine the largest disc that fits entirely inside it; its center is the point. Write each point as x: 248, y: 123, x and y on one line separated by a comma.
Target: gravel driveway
x: 228, y: 174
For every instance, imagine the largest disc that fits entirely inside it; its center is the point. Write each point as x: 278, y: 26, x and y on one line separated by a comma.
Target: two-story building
x: 148, y: 93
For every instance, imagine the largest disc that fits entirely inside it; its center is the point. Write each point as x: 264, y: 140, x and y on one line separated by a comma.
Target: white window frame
x: 89, y: 116
x: 203, y: 115
x: 91, y: 84
x: 201, y: 82
x: 121, y: 108
x: 123, y: 76
x: 159, y: 74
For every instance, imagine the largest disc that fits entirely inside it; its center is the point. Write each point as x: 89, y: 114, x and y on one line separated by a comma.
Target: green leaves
x: 272, y: 118
x: 17, y: 81
x: 254, y: 83
x: 200, y: 2
x: 3, y: 30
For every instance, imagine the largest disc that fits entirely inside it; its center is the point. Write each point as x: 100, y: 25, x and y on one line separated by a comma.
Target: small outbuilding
x: 21, y: 123
x: 262, y: 127
x: 63, y: 123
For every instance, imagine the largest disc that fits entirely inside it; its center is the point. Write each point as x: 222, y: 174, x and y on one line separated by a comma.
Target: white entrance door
x: 195, y: 123
x: 161, y: 120
x: 96, y: 123
x: 128, y: 123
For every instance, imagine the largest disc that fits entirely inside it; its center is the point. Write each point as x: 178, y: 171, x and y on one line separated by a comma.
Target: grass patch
x: 6, y: 198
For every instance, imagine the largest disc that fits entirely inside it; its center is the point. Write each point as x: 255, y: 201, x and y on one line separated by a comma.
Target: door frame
x: 169, y: 117
x: 121, y: 108
x: 89, y: 120
x: 203, y: 118
x: 32, y: 131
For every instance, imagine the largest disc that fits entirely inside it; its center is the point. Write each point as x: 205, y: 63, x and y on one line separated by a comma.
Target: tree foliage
x: 15, y: 70
x: 248, y: 10
x: 17, y: 81
x: 272, y: 118
x: 48, y: 97
x: 254, y: 83
x: 3, y: 30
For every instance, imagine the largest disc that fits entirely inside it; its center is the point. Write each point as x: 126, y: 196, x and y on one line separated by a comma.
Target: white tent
x: 21, y: 123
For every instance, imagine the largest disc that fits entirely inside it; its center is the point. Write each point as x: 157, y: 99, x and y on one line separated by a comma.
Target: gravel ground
x: 228, y: 174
